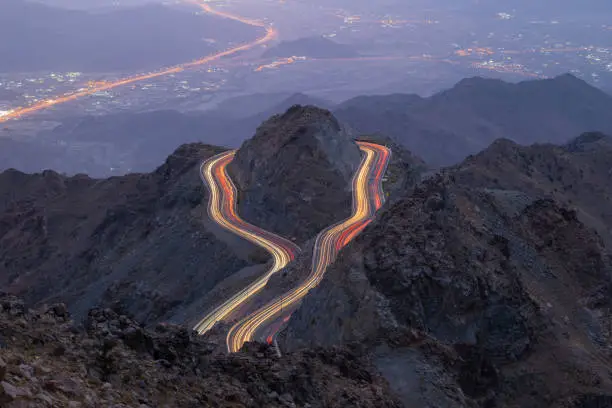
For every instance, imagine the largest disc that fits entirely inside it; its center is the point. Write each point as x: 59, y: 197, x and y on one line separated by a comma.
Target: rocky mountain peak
x: 299, y: 128
x: 299, y: 166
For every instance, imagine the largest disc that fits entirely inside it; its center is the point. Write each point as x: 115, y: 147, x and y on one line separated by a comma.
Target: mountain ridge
x: 446, y: 127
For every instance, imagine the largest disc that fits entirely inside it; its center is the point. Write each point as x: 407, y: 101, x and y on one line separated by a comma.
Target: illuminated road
x: 269, y: 35
x: 222, y: 210
x: 367, y: 199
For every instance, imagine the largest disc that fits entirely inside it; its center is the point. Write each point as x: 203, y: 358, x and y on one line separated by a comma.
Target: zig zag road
x: 367, y: 199
x: 270, y: 34
x: 222, y: 210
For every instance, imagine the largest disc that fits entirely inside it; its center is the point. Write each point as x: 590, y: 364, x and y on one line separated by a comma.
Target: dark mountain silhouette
x: 448, y: 126
x: 147, y: 37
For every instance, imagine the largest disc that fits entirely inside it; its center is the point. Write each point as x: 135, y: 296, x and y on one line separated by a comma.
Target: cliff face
x: 294, y: 175
x: 472, y: 296
x: 46, y: 361
x: 141, y: 242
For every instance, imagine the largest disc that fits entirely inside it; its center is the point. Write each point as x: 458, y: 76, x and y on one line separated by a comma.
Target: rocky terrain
x: 444, y: 128
x: 141, y: 243
x: 577, y: 174
x: 294, y: 175
x: 487, y: 284
x: 470, y: 295
x: 111, y: 361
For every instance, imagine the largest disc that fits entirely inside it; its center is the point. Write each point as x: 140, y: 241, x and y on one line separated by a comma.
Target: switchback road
x: 222, y: 210
x: 367, y: 199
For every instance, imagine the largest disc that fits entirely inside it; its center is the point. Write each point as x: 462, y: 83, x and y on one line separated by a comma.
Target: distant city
x: 423, y: 52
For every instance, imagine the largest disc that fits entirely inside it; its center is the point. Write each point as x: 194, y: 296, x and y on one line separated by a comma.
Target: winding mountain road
x: 270, y: 34
x: 367, y: 199
x: 222, y: 210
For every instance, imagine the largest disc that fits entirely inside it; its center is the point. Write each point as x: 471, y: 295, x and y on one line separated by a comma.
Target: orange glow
x: 270, y: 34
x: 275, y: 64
x: 477, y: 51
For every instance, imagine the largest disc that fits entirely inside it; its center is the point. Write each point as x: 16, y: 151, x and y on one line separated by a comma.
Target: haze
x: 325, y: 51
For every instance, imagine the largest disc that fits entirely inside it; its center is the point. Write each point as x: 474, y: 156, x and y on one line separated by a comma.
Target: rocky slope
x: 141, y: 243
x: 45, y: 361
x: 576, y: 174
x: 294, y: 175
x: 471, y: 296
x: 444, y: 128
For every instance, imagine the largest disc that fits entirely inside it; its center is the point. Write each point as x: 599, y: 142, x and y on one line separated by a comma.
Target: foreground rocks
x: 45, y: 361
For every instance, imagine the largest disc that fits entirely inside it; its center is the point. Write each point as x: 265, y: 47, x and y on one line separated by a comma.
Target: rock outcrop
x: 577, y: 174
x: 468, y: 296
x: 294, y: 175
x: 45, y: 361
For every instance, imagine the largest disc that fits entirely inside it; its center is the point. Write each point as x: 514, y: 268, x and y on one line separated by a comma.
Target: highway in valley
x: 270, y: 34
x: 367, y: 199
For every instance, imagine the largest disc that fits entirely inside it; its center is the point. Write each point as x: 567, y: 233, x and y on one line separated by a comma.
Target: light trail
x: 367, y: 198
x: 270, y: 34
x: 222, y: 210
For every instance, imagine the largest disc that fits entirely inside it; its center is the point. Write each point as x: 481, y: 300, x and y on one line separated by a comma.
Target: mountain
x: 444, y: 128
x: 47, y: 360
x: 486, y: 284
x: 119, y: 143
x: 140, y: 38
x: 141, y: 243
x: 295, y: 173
x: 312, y: 47
x: 575, y: 174
x: 479, y: 289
